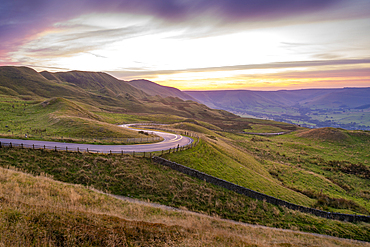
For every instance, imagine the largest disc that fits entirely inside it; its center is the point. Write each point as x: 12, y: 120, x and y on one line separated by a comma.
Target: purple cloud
x: 21, y: 19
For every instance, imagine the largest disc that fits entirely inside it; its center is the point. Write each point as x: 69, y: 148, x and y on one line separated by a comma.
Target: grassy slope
x: 99, y: 82
x: 152, y: 88
x: 261, y: 128
x: 25, y: 81
x: 101, y: 91
x: 298, y: 169
x: 295, y: 168
x: 137, y: 178
x: 135, y: 100
x: 306, y: 164
x: 91, y: 218
x: 55, y: 117
x: 219, y: 159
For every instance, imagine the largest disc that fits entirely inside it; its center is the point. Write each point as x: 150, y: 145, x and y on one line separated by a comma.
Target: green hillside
x: 23, y: 81
x: 80, y: 104
x: 152, y: 88
x: 55, y: 118
x: 325, y: 168
x: 99, y: 90
x: 90, y: 214
x: 98, y: 82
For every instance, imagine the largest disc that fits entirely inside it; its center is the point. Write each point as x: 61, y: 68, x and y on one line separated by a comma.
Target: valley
x: 347, y: 108
x: 322, y: 168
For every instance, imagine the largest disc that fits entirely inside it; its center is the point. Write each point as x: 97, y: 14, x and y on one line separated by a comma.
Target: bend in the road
x: 170, y: 141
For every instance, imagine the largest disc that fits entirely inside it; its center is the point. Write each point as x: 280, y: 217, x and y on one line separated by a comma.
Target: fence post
x: 87, y: 150
x: 133, y: 153
x: 55, y: 148
x: 110, y: 151
x: 22, y: 145
x: 121, y: 152
x: 78, y: 149
x: 0, y: 144
x: 33, y: 146
x: 10, y: 144
x: 44, y: 146
x: 144, y: 154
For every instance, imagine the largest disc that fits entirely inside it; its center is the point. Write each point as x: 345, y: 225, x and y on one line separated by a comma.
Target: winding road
x: 170, y: 141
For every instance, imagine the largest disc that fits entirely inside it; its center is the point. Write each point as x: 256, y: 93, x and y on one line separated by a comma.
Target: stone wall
x: 257, y: 195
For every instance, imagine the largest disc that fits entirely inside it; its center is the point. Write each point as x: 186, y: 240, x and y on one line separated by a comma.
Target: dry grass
x: 38, y: 211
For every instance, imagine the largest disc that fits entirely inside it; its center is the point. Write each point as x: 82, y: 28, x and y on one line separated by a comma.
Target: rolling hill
x: 153, y: 88
x: 326, y: 168
x: 104, y: 92
x: 308, y: 107
x: 246, y: 99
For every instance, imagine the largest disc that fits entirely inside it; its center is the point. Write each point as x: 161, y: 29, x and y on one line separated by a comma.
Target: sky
x: 194, y: 44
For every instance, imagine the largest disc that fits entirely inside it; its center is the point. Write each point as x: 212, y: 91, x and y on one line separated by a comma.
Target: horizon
x: 200, y: 90
x: 195, y: 45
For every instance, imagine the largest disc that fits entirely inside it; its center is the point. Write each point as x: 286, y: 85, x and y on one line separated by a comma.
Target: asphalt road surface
x: 170, y: 141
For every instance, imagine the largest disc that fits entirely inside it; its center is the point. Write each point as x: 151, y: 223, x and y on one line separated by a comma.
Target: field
x: 261, y: 128
x: 361, y: 117
x: 58, y: 119
x: 135, y: 178
x: 325, y: 168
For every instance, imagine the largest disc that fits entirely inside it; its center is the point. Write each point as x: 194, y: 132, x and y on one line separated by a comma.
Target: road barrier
x: 86, y: 140
x: 89, y: 150
x: 257, y: 195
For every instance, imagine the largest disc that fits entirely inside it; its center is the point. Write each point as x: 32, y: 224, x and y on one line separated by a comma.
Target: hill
x: 103, y: 92
x: 90, y: 217
x: 325, y: 134
x: 325, y: 168
x: 341, y: 98
x: 346, y: 107
x: 153, y: 89
x: 21, y: 81
x: 98, y: 82
x: 247, y: 99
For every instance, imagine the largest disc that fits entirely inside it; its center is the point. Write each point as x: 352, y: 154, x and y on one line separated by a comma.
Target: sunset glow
x: 195, y: 45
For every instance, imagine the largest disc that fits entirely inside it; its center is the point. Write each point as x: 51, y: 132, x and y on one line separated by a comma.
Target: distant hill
x: 153, y: 88
x: 245, y: 99
x: 344, y: 107
x: 341, y: 98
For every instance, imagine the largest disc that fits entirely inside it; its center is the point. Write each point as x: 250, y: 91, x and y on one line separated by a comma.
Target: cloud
x: 340, y: 73
x: 278, y: 65
x: 76, y: 41
x: 21, y: 20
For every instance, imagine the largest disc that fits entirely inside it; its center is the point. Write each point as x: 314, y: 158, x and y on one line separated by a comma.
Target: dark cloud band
x: 22, y: 18
x: 278, y: 65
